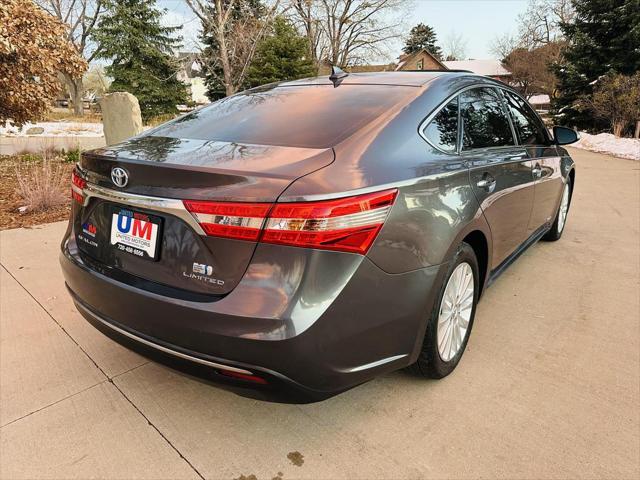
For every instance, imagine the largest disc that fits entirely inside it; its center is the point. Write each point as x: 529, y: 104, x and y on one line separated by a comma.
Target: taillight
x: 230, y: 220
x: 348, y: 224
x: 78, y: 185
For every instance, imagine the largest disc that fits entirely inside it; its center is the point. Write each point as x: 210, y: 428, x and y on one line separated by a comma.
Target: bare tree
x: 236, y: 35
x: 454, y: 46
x: 81, y: 17
x: 540, y: 23
x: 349, y: 32
x: 306, y: 15
x: 501, y: 46
x: 531, y: 69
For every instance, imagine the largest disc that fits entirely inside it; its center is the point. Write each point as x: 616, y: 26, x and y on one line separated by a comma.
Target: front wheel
x: 452, y: 317
x: 561, y: 218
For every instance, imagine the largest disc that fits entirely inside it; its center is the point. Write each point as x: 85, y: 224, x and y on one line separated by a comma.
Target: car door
x: 500, y: 170
x: 546, y: 161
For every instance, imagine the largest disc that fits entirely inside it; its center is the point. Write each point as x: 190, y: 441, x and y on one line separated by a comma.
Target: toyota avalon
x: 295, y: 240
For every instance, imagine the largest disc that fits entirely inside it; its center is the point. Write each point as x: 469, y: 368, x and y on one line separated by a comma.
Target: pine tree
x: 604, y: 38
x: 142, y: 54
x: 422, y: 37
x: 280, y: 56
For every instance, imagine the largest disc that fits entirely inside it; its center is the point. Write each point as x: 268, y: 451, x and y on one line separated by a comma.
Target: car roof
x: 400, y: 78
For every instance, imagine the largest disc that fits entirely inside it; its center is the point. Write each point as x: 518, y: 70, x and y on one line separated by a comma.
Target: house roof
x: 488, y: 67
x: 539, y: 99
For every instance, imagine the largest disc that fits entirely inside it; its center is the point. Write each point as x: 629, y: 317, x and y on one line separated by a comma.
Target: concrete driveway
x: 549, y: 386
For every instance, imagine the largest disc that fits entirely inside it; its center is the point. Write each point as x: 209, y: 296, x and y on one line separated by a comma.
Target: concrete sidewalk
x: 549, y: 386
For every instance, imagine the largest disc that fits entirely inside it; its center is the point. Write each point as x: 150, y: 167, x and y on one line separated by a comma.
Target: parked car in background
x: 298, y: 239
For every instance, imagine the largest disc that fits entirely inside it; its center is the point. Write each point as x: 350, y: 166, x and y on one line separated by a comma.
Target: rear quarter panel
x: 435, y: 207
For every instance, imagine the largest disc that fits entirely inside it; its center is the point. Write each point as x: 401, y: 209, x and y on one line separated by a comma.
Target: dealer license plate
x: 135, y: 233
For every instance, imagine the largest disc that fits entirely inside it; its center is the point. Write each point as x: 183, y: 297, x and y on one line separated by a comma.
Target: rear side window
x: 525, y: 121
x: 442, y: 131
x: 313, y: 116
x: 484, y: 120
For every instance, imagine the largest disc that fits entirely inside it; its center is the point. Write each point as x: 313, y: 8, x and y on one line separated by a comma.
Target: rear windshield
x: 307, y: 117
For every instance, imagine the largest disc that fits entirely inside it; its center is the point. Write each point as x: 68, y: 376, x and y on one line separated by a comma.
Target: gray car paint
x: 331, y: 320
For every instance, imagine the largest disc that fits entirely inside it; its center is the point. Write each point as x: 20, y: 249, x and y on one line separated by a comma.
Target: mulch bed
x: 10, y: 199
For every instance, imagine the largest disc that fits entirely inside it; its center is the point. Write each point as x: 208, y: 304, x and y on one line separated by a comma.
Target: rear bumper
x: 338, y: 322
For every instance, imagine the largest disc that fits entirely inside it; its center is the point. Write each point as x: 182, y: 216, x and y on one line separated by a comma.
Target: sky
x: 479, y: 22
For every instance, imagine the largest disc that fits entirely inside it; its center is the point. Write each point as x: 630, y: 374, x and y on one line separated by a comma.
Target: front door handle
x: 537, y: 171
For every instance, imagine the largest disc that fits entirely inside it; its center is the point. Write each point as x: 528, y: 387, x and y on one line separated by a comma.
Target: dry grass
x: 42, y: 187
x: 64, y: 115
x: 40, y: 182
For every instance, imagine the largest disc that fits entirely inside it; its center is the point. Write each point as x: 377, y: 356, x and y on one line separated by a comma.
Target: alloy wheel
x: 564, y: 208
x: 455, y: 311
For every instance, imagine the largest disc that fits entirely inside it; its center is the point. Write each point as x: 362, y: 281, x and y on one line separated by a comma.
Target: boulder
x: 35, y: 130
x: 120, y: 116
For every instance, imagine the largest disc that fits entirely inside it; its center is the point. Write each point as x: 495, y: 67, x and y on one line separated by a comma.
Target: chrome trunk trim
x: 171, y: 206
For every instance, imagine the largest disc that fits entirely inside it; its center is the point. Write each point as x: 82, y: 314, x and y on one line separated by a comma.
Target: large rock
x: 121, y: 117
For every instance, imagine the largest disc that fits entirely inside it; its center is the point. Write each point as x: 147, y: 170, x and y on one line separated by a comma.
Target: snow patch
x: 53, y: 129
x: 609, y: 144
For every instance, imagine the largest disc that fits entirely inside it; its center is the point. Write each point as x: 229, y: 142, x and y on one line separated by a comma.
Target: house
x: 191, y: 74
x: 489, y: 68
x: 420, y: 60
x: 423, y: 60
x: 541, y: 102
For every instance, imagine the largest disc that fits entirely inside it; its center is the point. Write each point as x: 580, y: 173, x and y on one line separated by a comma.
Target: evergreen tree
x: 604, y: 38
x: 280, y: 56
x: 241, y: 10
x: 142, y: 54
x: 422, y: 37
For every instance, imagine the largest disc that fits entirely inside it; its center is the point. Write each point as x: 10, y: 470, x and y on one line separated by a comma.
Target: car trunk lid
x: 169, y: 246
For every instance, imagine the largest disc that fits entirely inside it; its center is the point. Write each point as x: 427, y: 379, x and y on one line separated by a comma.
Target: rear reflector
x: 78, y: 185
x: 347, y: 224
x: 244, y: 376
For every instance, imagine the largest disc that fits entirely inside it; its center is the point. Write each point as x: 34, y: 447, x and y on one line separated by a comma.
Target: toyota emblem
x: 119, y: 177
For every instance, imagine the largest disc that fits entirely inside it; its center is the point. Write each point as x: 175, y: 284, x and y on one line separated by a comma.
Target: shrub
x: 44, y: 186
x: 617, y: 99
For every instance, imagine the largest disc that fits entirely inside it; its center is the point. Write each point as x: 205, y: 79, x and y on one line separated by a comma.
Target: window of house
x: 484, y: 119
x: 420, y: 64
x: 525, y: 121
x: 442, y: 131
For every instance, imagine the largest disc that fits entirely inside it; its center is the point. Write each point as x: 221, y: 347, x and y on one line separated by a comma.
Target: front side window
x: 525, y: 121
x: 442, y: 131
x: 484, y: 120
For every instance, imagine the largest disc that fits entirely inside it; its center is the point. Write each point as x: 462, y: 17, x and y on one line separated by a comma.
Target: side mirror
x: 565, y: 136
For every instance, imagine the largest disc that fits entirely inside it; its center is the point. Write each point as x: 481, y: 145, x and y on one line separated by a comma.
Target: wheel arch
x: 572, y: 176
x: 477, y: 240
x: 477, y: 234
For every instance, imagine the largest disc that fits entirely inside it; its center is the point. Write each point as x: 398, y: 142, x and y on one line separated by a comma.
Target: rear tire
x: 561, y: 217
x: 451, y: 319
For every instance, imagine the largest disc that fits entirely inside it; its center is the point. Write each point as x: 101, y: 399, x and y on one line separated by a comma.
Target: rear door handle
x: 487, y: 182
